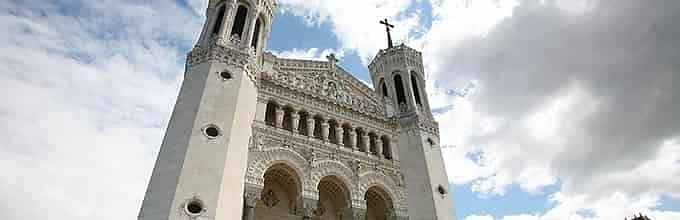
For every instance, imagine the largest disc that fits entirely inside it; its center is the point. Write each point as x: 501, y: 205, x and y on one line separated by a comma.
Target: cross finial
x: 387, y: 28
x: 331, y: 58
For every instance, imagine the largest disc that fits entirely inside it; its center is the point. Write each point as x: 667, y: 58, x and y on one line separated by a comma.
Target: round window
x: 225, y: 75
x: 194, y: 207
x: 441, y: 190
x: 211, y: 131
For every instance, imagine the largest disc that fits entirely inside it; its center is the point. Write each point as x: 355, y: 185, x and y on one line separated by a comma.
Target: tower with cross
x: 398, y: 77
x: 256, y: 136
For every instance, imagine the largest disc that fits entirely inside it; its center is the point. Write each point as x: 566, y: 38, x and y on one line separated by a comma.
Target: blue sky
x: 572, y: 114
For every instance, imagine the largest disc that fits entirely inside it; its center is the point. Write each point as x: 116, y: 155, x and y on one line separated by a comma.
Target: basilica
x: 256, y: 136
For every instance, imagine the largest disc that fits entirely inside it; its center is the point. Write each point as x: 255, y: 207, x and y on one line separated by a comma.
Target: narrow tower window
x: 416, y: 91
x: 240, y: 21
x: 219, y: 21
x: 256, y: 34
x: 399, y: 86
x: 383, y: 87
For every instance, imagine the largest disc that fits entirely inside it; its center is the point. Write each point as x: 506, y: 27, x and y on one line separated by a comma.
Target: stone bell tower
x: 398, y: 76
x: 201, y: 165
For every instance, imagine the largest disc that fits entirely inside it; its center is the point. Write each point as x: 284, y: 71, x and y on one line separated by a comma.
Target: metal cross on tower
x: 387, y: 28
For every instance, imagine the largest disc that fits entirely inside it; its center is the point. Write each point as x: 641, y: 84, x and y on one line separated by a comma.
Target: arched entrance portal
x: 334, y: 199
x: 378, y: 204
x: 279, y: 195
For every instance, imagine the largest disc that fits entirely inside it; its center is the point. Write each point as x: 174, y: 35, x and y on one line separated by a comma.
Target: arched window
x: 219, y: 21
x: 399, y: 86
x: 287, y: 118
x: 414, y: 85
x: 383, y: 86
x: 256, y: 34
x: 239, y: 21
x: 302, y: 126
x: 387, y: 149
x: 270, y: 114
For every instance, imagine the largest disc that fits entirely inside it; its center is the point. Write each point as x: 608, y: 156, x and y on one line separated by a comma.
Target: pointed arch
x: 383, y: 86
x: 239, y: 21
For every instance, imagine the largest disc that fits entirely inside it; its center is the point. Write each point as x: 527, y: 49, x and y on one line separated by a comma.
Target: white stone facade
x: 255, y: 136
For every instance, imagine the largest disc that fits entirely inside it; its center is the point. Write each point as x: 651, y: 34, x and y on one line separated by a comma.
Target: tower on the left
x: 200, y: 169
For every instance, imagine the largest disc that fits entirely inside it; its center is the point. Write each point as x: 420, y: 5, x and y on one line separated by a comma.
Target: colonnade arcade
x: 341, y: 134
x: 334, y: 196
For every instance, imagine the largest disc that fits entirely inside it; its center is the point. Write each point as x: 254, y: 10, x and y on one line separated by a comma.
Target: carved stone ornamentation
x: 324, y: 84
x: 270, y: 199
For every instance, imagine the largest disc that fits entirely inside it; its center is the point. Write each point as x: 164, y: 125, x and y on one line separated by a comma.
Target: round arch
x: 324, y: 168
x: 334, y: 198
x: 373, y: 179
x: 258, y: 165
x: 379, y: 204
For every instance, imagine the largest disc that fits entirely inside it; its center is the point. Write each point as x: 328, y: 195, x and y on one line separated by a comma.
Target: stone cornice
x: 230, y: 52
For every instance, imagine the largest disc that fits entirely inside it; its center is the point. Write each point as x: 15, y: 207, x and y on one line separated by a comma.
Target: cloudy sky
x: 549, y: 109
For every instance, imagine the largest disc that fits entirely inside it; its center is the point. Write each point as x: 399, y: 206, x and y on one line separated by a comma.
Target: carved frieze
x: 319, y: 80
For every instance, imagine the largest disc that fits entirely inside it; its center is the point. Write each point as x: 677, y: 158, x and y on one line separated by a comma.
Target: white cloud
x: 86, y: 99
x: 308, y: 54
x: 355, y: 22
x: 479, y: 217
x: 570, y: 92
x: 79, y: 123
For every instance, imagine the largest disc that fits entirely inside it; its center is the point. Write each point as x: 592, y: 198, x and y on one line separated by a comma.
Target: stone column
x: 353, y: 138
x: 279, y: 116
x: 355, y: 214
x: 249, y: 28
x: 310, y: 125
x: 295, y: 116
x: 366, y: 143
x: 252, y: 195
x: 379, y: 147
x: 308, y: 207
x: 324, y: 129
x: 339, y: 134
